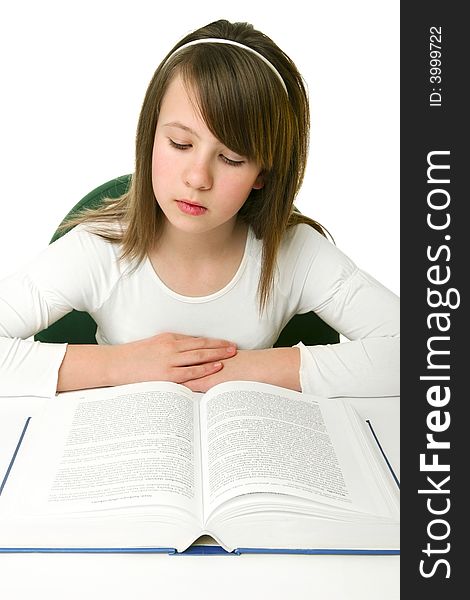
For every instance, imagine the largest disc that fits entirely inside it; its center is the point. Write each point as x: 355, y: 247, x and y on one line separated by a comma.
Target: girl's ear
x: 259, y: 182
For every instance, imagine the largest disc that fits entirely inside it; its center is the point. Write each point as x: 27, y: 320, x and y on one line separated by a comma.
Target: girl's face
x: 199, y: 183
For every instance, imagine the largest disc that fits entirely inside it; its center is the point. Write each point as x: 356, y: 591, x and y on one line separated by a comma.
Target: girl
x: 193, y: 273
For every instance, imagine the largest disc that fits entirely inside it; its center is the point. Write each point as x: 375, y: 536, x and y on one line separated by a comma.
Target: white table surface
x: 124, y: 576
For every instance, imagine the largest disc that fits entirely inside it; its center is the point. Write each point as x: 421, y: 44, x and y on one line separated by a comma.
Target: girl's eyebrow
x: 181, y: 126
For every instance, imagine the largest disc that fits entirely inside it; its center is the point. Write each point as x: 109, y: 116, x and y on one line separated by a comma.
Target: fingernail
x: 231, y: 349
x: 217, y: 365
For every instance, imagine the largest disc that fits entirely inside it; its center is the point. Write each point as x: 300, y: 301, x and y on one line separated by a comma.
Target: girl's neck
x: 196, y: 246
x: 198, y: 265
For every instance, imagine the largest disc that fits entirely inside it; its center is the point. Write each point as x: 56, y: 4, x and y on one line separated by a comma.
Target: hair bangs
x: 237, y: 99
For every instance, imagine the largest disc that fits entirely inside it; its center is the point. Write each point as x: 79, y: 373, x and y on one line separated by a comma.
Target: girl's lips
x: 190, y: 209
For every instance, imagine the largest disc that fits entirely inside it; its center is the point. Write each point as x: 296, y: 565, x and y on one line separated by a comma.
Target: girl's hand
x: 169, y: 357
x: 278, y: 366
x: 164, y: 357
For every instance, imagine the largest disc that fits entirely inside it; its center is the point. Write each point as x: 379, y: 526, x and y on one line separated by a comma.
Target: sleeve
x: 72, y: 273
x: 363, y: 311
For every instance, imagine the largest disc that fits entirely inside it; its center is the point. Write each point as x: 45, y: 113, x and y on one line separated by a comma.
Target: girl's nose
x: 198, y: 175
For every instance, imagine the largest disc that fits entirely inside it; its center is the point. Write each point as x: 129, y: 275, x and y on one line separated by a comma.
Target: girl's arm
x: 362, y: 310
x: 77, y: 272
x: 30, y: 368
x: 315, y: 275
x: 365, y: 367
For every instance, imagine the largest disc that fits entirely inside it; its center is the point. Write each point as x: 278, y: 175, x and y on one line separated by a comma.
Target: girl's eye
x: 178, y: 146
x: 232, y: 163
x: 227, y: 161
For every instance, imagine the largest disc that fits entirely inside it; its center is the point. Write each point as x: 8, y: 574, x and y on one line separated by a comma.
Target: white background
x: 74, y: 74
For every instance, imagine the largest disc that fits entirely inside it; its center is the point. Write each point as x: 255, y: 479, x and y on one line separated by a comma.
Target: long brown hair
x: 245, y: 106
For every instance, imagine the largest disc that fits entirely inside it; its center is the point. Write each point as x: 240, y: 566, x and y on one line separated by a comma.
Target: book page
x: 134, y: 445
x: 261, y: 438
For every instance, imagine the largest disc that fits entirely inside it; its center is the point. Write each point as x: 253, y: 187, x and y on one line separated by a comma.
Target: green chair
x: 79, y: 328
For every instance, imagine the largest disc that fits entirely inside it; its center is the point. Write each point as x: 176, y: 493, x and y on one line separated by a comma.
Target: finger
x: 184, y: 374
x: 203, y: 356
x: 196, y: 343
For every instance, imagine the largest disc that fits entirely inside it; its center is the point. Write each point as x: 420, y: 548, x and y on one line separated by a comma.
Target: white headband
x: 232, y: 43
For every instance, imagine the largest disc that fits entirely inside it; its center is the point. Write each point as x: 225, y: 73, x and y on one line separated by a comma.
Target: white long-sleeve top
x: 83, y: 271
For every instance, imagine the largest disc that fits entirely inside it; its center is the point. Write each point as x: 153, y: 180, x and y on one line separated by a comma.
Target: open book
x: 154, y: 466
